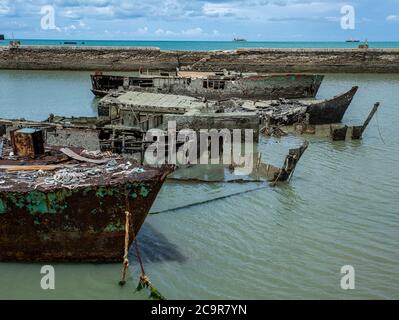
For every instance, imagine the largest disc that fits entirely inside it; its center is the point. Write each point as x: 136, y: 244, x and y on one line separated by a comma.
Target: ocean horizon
x: 205, y: 45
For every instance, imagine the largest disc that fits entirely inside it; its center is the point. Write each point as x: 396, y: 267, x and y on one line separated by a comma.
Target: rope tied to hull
x: 126, y: 252
x: 144, y: 281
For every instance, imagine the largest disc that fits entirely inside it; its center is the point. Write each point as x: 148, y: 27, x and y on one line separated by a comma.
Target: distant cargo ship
x: 352, y: 40
x: 240, y: 40
x: 72, y: 42
x: 2, y: 37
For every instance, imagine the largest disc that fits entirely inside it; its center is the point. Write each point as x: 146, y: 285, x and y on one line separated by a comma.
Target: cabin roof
x: 156, y: 100
x: 195, y: 74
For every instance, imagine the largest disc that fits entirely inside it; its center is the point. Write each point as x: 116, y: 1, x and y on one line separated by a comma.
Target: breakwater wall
x: 261, y: 60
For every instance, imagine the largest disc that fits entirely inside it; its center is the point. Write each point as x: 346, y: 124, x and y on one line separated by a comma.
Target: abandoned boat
x: 134, y: 108
x: 214, y: 85
x: 333, y: 131
x: 261, y: 172
x: 286, y: 112
x: 60, y: 204
x: 88, y: 133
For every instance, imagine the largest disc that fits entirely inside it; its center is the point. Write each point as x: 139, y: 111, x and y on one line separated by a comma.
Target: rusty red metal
x: 27, y: 142
x: 43, y: 218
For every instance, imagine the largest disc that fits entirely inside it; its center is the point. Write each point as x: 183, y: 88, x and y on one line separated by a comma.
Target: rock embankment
x: 260, y: 60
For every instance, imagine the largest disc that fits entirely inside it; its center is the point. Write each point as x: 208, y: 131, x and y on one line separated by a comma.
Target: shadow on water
x: 155, y: 247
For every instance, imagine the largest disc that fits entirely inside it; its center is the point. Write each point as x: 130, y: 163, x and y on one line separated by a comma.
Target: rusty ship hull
x: 333, y: 110
x: 273, y: 86
x: 314, y: 112
x: 80, y: 218
x: 82, y: 225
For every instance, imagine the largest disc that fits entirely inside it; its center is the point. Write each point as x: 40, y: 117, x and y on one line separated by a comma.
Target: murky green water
x: 341, y: 208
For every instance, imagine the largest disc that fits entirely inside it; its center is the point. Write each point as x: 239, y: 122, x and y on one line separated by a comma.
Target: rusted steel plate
x: 28, y: 142
x: 55, y: 217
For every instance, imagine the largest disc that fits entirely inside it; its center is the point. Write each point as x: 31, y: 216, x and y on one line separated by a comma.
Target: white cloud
x: 190, y: 19
x: 216, y: 33
x: 219, y: 9
x: 4, y: 7
x: 192, y: 32
x: 142, y: 31
x: 69, y: 28
x: 162, y: 33
x: 71, y: 14
x: 186, y: 33
x: 392, y: 18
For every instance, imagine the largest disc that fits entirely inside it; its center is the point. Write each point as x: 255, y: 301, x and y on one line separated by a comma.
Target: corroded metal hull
x: 314, y: 112
x: 331, y: 111
x: 273, y: 86
x: 84, y: 224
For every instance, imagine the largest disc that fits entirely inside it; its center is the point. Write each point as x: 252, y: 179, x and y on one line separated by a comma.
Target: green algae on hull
x: 84, y: 224
x: 38, y: 202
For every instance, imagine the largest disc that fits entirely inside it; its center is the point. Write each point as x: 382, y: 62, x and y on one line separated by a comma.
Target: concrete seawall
x: 261, y: 60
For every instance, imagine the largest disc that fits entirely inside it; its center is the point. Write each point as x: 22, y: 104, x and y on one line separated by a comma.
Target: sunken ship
x: 213, y: 85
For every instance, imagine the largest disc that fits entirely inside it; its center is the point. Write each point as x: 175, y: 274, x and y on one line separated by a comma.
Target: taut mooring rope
x: 209, y: 200
x: 379, y: 129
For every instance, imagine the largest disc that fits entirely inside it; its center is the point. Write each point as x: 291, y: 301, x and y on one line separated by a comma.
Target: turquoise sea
x: 202, y: 45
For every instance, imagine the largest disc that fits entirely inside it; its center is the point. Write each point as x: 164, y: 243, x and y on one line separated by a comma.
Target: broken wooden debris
x: 261, y: 172
x: 358, y: 131
x: 273, y: 131
x: 335, y: 131
x: 78, y: 157
x: 32, y: 168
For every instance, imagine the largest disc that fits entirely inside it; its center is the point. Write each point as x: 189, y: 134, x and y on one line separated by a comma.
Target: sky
x: 202, y: 20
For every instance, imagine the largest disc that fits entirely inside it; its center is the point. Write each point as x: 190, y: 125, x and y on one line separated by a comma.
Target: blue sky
x: 256, y: 20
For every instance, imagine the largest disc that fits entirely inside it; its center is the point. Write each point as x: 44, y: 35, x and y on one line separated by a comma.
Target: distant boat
x: 352, y: 40
x: 73, y: 42
x: 240, y: 40
x: 2, y: 37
